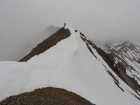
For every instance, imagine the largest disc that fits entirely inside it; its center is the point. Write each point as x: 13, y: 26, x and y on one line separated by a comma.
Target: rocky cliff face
x: 126, y: 59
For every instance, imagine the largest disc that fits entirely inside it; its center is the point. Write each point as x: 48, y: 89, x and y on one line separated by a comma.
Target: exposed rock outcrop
x: 46, y: 96
x: 47, y: 43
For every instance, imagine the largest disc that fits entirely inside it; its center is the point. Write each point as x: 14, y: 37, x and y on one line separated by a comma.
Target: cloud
x: 97, y: 19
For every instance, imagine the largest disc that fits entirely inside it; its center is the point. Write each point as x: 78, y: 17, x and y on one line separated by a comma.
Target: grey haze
x: 23, y: 20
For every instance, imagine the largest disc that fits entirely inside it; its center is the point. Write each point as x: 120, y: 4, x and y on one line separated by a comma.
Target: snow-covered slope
x: 72, y: 64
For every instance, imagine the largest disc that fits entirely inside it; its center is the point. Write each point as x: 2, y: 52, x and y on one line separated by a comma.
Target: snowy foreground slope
x: 69, y: 65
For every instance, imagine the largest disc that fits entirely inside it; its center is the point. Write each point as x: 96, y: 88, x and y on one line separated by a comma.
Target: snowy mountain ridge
x: 73, y: 64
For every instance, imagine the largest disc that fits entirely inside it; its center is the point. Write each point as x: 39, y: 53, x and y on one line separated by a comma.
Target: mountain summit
x: 70, y: 61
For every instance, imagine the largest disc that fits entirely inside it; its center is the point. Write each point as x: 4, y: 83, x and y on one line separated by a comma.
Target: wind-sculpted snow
x: 72, y: 64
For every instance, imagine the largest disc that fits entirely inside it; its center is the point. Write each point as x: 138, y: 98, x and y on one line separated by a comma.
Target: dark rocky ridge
x: 47, y: 43
x: 46, y: 96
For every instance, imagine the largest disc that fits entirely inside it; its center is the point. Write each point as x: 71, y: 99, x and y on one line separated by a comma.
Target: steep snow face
x: 69, y: 65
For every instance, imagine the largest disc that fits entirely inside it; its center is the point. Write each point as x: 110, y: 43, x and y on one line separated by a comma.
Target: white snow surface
x: 69, y: 65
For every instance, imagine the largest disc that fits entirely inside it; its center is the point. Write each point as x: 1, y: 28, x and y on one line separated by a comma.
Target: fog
x: 24, y: 20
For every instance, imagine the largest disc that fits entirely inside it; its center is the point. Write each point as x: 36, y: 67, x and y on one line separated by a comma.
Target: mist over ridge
x: 21, y: 21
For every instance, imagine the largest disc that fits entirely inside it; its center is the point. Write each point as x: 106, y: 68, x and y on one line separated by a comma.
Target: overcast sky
x: 23, y: 20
